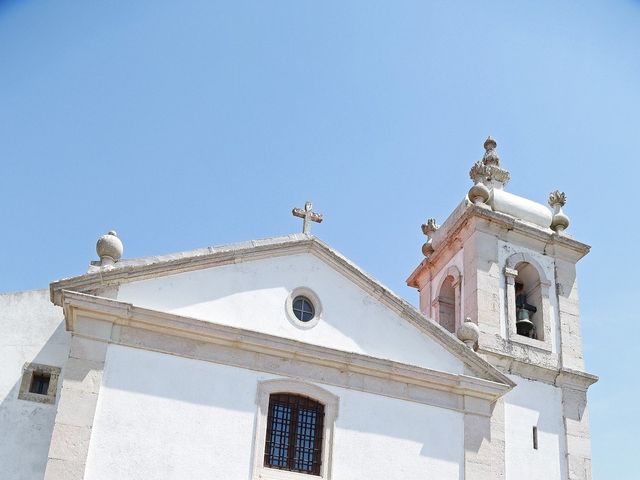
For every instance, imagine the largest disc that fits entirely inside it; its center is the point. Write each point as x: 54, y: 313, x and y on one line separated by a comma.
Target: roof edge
x: 464, y: 211
x: 151, y: 267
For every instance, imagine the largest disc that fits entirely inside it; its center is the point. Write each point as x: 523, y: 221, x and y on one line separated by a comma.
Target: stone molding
x: 110, y: 321
x: 128, y: 271
x: 27, y: 375
x: 299, y: 387
x: 313, y: 298
x: 76, y: 409
x: 559, y: 377
x: 468, y: 218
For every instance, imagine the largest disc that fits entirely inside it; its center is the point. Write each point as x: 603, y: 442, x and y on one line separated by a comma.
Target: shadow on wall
x: 253, y: 295
x: 176, y: 388
x: 27, y: 426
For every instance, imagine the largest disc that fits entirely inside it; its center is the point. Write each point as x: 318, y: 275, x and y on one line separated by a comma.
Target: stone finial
x: 559, y: 222
x: 429, y: 229
x: 479, y: 193
x: 490, y: 155
x: 492, y: 175
x: 469, y: 333
x: 109, y: 248
x: 557, y: 198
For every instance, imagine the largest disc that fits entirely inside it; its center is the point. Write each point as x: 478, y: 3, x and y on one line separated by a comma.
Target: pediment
x: 246, y: 286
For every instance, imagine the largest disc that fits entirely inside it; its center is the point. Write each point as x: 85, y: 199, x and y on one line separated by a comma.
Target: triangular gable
x: 127, y: 273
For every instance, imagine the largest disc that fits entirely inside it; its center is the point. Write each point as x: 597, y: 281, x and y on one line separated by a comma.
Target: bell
x: 524, y: 326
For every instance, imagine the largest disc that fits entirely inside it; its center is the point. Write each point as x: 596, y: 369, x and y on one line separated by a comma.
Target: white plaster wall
x: 383, y: 438
x: 505, y: 250
x: 534, y: 403
x: 31, y: 330
x: 164, y: 417
x: 252, y: 295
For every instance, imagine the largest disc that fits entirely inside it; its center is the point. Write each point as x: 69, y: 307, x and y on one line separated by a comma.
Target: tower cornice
x: 469, y: 218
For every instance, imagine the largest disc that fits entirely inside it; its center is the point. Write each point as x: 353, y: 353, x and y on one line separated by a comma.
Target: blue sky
x: 191, y: 123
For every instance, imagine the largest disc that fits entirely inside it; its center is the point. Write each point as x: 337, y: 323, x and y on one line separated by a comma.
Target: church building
x: 280, y: 359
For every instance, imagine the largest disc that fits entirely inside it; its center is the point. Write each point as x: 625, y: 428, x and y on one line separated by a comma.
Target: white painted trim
x: 298, y: 387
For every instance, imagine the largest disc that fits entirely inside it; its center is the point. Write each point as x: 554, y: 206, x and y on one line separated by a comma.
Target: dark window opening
x: 528, y: 293
x: 294, y: 434
x: 535, y: 438
x: 303, y: 309
x: 39, y: 383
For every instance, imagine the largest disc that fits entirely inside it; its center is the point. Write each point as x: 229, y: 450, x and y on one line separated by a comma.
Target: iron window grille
x: 294, y: 433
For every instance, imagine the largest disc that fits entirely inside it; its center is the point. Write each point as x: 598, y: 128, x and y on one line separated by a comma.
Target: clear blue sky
x: 191, y: 123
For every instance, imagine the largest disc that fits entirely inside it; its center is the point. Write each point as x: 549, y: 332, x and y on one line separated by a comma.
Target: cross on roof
x: 307, y: 214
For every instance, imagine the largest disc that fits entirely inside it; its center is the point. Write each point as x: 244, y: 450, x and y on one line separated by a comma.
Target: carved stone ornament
x: 479, y: 172
x: 557, y: 198
x: 109, y: 248
x: 479, y: 193
x: 495, y: 174
x: 428, y: 229
x: 559, y: 222
x: 469, y: 333
x: 490, y: 155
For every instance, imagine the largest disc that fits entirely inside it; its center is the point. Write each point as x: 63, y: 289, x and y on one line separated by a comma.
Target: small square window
x: 39, y: 383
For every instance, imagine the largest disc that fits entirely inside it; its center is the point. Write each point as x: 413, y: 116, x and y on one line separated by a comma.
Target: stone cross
x: 307, y: 214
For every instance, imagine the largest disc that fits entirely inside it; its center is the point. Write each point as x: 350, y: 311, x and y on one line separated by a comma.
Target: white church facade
x: 280, y: 359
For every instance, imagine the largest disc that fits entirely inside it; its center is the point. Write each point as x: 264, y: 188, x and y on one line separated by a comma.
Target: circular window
x: 303, y: 309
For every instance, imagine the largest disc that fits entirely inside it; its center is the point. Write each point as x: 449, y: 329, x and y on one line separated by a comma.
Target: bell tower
x: 507, y: 264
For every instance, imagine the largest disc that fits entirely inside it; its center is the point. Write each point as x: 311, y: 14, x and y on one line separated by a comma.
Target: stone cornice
x: 457, y: 227
x: 111, y: 321
x: 151, y: 267
x: 290, y: 245
x: 560, y: 377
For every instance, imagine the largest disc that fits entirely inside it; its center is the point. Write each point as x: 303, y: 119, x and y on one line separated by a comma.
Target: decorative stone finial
x: 489, y: 176
x: 428, y: 229
x: 479, y: 193
x: 490, y: 155
x: 560, y: 221
x: 557, y: 198
x: 469, y: 333
x: 109, y: 248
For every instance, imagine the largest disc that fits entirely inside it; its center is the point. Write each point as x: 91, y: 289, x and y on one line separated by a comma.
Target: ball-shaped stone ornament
x: 468, y: 332
x: 109, y: 246
x: 479, y: 193
x: 427, y: 249
x: 560, y: 221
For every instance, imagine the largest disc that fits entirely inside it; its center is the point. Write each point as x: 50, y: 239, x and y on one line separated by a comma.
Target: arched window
x: 294, y: 433
x: 528, y: 300
x: 447, y: 305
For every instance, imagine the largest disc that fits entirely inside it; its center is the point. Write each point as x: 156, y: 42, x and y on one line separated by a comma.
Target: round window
x: 303, y: 308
